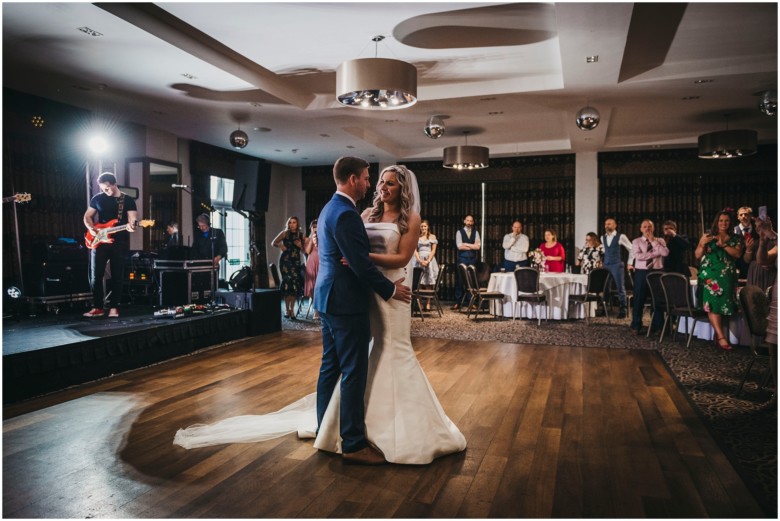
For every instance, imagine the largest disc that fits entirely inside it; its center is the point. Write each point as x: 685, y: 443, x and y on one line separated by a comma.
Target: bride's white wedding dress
x: 403, y: 416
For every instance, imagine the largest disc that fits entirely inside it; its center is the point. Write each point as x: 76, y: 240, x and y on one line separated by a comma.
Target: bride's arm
x: 406, y: 248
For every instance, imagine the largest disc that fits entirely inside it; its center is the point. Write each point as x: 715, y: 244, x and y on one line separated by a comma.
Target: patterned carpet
x: 744, y: 426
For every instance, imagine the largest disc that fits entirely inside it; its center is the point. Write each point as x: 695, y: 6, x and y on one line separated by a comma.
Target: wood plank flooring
x: 552, y: 432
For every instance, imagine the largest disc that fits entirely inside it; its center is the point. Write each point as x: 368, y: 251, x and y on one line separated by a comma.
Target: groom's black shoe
x: 365, y: 456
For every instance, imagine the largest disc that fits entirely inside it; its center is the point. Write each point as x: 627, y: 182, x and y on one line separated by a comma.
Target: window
x: 235, y: 226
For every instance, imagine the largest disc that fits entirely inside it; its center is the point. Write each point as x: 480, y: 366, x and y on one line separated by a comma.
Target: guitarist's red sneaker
x: 93, y: 313
x: 113, y: 313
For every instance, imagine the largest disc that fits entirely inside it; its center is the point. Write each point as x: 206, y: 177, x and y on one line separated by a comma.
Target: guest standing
x: 516, y: 246
x: 312, y: 264
x: 766, y: 256
x: 745, y: 230
x: 468, y: 244
x: 718, y: 251
x: 425, y: 258
x: 591, y: 256
x: 613, y: 262
x: 649, y: 252
x: 758, y: 275
x: 290, y: 241
x: 553, y: 252
x: 678, y: 245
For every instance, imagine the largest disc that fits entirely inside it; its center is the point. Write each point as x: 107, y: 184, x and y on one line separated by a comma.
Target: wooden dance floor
x: 551, y: 431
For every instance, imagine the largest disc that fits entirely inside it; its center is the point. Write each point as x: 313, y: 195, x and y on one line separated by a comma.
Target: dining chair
x: 275, y: 275
x: 479, y: 296
x: 679, y: 303
x: 596, y: 291
x: 755, y: 306
x: 433, y: 294
x: 657, y: 300
x: 462, y: 272
x: 417, y: 273
x: 527, y: 281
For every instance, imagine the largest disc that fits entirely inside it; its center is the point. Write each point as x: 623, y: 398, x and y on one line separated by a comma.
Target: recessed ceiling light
x: 592, y: 59
x: 188, y: 76
x: 688, y: 98
x: 391, y: 121
x: 89, y: 31
x: 703, y: 81
x: 495, y: 113
x: 255, y: 104
x: 261, y: 129
x: 492, y: 98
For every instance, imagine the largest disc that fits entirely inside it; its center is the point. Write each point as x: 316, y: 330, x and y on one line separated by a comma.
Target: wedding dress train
x: 404, y: 419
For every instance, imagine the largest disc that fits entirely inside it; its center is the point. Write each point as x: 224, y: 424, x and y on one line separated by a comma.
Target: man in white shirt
x: 612, y: 242
x: 516, y: 246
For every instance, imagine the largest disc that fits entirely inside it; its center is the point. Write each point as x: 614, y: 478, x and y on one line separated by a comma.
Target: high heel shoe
x: 726, y: 346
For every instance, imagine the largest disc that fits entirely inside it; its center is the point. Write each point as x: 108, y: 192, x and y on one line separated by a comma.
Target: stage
x: 50, y: 352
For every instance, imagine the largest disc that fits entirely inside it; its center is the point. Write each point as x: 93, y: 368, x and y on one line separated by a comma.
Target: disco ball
x: 434, y: 128
x: 239, y: 139
x: 768, y: 103
x: 588, y: 118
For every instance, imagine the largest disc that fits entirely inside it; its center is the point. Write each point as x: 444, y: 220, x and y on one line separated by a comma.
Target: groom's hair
x: 346, y: 166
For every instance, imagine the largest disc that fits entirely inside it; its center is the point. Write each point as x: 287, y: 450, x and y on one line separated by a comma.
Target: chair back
x: 417, y: 273
x: 472, y: 282
x: 755, y: 305
x: 483, y: 270
x: 677, y: 291
x: 598, y: 279
x: 275, y: 275
x: 527, y: 280
x: 439, y: 278
x: 656, y: 291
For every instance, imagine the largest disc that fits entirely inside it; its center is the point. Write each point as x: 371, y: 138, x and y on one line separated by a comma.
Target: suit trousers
x: 617, y: 271
x: 345, y: 341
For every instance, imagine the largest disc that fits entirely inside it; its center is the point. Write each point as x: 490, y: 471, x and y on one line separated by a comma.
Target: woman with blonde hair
x: 425, y: 257
x: 290, y: 241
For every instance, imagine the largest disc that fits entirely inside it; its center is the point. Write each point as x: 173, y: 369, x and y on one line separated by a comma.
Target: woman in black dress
x: 290, y: 241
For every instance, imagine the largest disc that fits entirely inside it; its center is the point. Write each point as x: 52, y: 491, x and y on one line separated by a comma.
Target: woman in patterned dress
x: 424, y: 257
x: 591, y: 256
x: 718, y: 251
x: 290, y: 241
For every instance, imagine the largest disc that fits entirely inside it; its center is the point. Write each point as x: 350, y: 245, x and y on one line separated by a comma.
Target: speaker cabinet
x: 264, y: 306
x: 251, y: 186
x: 53, y: 278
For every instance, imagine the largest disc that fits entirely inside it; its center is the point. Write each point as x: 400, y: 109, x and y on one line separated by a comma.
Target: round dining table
x: 556, y: 286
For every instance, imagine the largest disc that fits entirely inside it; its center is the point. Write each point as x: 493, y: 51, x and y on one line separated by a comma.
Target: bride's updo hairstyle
x: 407, y: 198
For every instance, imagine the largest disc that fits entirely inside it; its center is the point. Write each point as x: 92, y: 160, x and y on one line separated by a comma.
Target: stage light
x: 98, y: 145
x: 14, y: 292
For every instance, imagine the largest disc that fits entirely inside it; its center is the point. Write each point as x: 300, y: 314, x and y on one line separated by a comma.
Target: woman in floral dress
x: 290, y: 241
x: 718, y: 251
x: 591, y: 256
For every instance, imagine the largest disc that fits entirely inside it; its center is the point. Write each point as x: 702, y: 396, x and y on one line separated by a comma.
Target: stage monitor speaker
x: 252, y: 186
x: 241, y: 280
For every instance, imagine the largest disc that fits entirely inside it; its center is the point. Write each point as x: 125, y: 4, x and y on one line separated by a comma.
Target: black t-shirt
x: 108, y: 209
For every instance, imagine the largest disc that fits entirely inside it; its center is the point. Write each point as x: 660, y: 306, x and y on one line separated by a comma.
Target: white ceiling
x: 514, y: 75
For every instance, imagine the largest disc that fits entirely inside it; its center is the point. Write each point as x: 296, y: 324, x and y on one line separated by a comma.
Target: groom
x: 341, y: 295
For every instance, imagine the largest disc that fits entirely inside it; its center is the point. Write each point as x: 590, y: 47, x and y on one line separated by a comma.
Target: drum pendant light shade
x: 376, y: 84
x: 727, y: 144
x: 466, y: 157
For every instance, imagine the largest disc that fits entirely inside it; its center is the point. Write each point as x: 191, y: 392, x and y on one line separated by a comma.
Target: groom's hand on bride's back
x: 402, y: 291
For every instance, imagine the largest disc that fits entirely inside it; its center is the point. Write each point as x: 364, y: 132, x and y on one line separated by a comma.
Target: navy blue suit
x: 341, y: 295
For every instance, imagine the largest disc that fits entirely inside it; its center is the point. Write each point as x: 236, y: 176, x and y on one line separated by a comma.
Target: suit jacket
x: 344, y: 290
x: 742, y: 266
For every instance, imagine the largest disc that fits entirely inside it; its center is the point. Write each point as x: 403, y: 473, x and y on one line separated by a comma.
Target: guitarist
x: 109, y: 204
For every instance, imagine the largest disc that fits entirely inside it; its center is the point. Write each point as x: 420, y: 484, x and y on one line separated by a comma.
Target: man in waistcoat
x: 612, y: 241
x: 468, y: 244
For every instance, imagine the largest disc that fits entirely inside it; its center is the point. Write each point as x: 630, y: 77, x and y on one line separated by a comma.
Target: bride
x: 404, y: 419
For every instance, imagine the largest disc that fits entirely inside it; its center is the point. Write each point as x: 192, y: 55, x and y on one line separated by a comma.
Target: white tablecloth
x: 557, y: 287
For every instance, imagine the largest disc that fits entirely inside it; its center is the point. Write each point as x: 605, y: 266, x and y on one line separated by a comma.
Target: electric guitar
x: 103, y: 232
x: 18, y: 198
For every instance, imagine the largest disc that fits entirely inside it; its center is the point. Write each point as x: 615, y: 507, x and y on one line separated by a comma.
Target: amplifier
x: 264, y: 307
x: 47, y: 279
